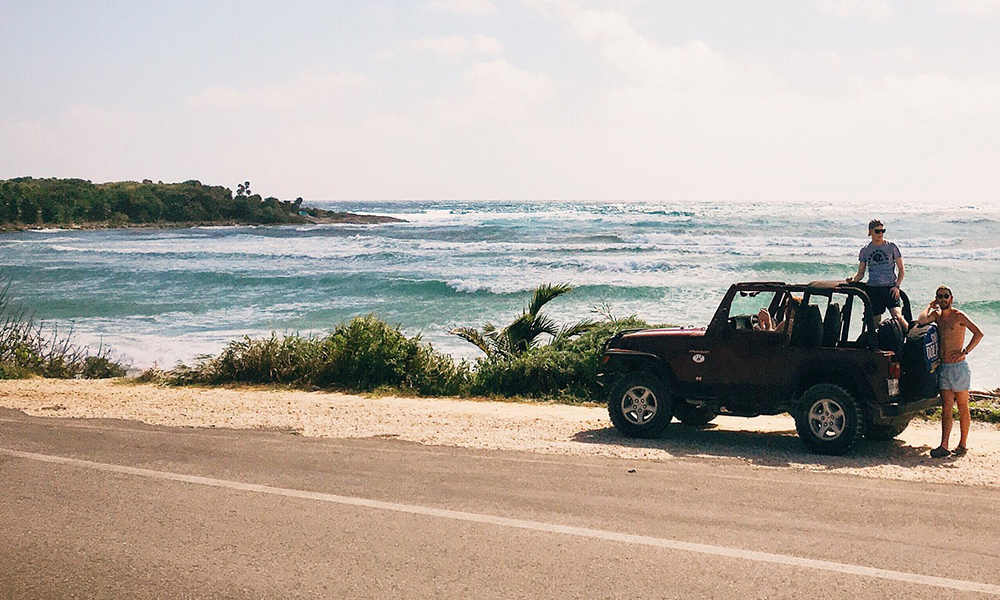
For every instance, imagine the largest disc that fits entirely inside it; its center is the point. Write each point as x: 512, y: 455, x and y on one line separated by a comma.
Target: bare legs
x: 897, y: 313
x: 950, y: 398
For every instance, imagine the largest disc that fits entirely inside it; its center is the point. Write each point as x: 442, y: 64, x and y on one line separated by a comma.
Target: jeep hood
x: 642, y: 338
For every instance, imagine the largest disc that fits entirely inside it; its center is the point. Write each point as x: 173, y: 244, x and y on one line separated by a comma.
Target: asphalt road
x: 107, y: 509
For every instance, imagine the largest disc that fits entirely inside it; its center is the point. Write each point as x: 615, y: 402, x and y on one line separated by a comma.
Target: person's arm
x: 900, y: 273
x: 977, y: 334
x: 860, y: 274
x: 929, y: 314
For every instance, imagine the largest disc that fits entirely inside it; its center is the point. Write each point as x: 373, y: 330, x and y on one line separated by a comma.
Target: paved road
x: 107, y: 509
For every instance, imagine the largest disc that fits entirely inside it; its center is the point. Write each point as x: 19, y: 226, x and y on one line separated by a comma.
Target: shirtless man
x: 954, y: 371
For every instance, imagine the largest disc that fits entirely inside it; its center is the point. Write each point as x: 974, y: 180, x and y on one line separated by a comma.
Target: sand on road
x: 763, y: 442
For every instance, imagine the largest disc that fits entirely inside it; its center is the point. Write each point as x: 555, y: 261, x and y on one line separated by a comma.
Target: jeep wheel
x: 829, y: 420
x: 886, y: 432
x: 639, y: 406
x: 691, y: 415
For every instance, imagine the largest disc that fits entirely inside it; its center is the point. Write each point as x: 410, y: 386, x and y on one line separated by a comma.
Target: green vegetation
x: 364, y: 354
x: 367, y: 354
x: 27, y: 349
x: 983, y: 406
x: 28, y: 202
x: 524, y: 332
x: 565, y: 370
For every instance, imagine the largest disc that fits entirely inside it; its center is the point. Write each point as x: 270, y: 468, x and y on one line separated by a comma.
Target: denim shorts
x: 954, y: 376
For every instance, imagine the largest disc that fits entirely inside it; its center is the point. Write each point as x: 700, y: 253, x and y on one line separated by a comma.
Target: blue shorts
x: 954, y: 376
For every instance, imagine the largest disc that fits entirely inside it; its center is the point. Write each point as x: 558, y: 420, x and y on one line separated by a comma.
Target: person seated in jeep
x: 765, y: 322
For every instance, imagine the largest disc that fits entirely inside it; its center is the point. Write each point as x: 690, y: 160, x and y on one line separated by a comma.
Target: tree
x: 523, y: 333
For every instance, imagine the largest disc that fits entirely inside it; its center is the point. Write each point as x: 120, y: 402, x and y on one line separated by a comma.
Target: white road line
x: 765, y: 557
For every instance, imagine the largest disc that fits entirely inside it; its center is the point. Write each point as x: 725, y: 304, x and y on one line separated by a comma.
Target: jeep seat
x: 807, y: 332
x: 832, y: 324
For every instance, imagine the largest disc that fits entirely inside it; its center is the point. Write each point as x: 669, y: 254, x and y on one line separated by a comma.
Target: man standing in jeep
x: 885, y: 273
x: 954, y: 370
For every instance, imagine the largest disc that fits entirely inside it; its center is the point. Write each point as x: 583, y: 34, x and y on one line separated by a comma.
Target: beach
x: 763, y: 442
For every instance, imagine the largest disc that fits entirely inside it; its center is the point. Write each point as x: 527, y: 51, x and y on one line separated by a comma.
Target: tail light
x: 895, y: 370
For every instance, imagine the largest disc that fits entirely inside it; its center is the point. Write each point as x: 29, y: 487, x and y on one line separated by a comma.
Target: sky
x: 817, y: 101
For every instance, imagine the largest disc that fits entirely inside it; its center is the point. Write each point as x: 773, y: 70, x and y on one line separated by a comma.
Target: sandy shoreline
x: 764, y: 442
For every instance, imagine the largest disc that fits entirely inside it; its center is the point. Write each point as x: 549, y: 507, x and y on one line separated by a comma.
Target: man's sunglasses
x: 943, y: 296
x: 879, y: 230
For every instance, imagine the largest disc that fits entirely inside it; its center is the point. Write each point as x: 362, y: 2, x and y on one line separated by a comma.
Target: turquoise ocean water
x: 159, y: 296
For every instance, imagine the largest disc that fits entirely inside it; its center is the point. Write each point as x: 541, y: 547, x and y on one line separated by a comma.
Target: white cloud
x: 467, y: 7
x: 497, y: 91
x: 456, y: 44
x: 877, y: 11
x: 310, y: 87
x: 975, y: 8
x: 686, y: 120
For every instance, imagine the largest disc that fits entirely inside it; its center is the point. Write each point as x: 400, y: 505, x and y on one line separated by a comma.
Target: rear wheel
x: 886, y: 432
x: 829, y: 419
x: 639, y: 405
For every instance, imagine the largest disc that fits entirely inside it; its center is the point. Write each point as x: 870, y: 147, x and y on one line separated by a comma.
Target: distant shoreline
x: 333, y: 218
x: 28, y: 204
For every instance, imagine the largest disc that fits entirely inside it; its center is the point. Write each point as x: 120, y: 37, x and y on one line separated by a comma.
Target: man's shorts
x: 882, y: 299
x: 954, y: 376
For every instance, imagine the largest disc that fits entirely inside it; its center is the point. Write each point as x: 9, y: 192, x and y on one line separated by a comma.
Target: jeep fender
x: 622, y: 362
x: 845, y: 375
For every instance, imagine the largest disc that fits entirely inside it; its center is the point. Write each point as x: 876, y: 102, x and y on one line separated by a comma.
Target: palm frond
x: 578, y: 328
x: 544, y: 294
x: 522, y: 333
x: 474, y: 337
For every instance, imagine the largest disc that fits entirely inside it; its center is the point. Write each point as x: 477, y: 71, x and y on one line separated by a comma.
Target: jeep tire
x: 829, y: 419
x: 639, y: 405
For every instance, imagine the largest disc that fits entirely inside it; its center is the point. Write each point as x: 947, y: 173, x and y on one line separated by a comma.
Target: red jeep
x: 838, y: 372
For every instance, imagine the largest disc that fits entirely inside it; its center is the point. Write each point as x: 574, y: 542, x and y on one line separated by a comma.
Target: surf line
x: 597, y: 534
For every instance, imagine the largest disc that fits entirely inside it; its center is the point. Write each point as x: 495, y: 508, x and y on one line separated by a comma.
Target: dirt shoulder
x: 763, y: 442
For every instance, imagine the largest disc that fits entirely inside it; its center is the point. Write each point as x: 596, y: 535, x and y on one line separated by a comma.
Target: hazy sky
x: 657, y: 100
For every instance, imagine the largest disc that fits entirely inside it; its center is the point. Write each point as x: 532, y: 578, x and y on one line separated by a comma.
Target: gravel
x: 762, y: 442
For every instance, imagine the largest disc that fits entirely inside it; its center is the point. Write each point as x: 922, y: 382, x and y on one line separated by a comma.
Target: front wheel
x: 639, y: 406
x: 829, y: 419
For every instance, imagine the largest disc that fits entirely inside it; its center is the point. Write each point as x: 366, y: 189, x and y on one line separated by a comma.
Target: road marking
x: 599, y: 534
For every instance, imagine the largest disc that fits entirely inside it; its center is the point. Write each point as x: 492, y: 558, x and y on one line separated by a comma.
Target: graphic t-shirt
x: 881, y: 261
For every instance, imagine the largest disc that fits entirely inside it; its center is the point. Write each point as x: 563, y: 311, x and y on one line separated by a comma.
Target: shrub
x: 566, y: 369
x: 9, y: 371
x: 367, y: 353
x: 26, y: 348
x: 151, y: 375
x: 363, y: 354
x: 101, y: 367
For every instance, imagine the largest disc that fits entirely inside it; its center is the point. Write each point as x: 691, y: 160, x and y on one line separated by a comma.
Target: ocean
x: 159, y: 296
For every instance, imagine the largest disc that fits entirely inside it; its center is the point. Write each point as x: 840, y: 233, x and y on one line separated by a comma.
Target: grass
x: 368, y: 355
x: 983, y: 406
x: 362, y: 355
x: 28, y: 349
